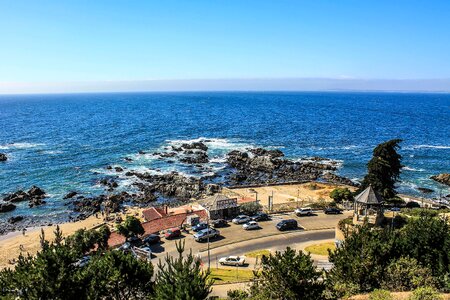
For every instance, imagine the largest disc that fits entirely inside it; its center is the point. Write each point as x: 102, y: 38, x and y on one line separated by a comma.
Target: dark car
x: 172, y: 233
x: 199, y: 226
x: 260, y: 217
x: 134, y: 241
x: 219, y: 223
x: 332, y: 211
x: 287, y: 225
x: 151, y: 239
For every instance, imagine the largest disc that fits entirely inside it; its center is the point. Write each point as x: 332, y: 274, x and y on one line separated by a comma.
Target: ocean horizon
x: 63, y: 142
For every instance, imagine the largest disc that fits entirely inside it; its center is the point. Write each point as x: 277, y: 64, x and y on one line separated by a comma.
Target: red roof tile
x: 153, y: 213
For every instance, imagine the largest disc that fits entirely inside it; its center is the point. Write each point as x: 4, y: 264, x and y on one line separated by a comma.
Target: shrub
x: 405, y: 274
x: 425, y: 293
x: 380, y: 295
x: 341, y: 194
x: 412, y: 204
x: 250, y: 208
x: 237, y: 295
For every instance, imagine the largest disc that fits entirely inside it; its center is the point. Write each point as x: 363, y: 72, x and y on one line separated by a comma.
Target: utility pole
x: 207, y: 238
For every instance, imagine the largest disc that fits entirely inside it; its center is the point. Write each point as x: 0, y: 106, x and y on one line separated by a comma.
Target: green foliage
x: 383, y: 170
x: 182, y: 278
x: 287, y: 275
x: 117, y: 275
x: 406, y: 274
x: 131, y: 227
x: 341, y: 194
x: 412, y: 204
x: 83, y: 241
x: 417, y: 212
x: 425, y: 293
x: 380, y: 295
x: 370, y: 257
x: 250, y: 208
x: 237, y: 295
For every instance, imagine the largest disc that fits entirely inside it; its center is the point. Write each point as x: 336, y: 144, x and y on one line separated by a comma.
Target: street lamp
x: 256, y: 193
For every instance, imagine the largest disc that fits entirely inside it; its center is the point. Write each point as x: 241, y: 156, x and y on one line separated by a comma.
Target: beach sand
x: 10, y: 243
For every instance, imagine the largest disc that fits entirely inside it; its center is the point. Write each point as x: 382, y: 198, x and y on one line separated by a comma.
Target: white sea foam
x: 20, y: 146
x: 413, y: 147
x: 412, y: 169
x: 52, y: 152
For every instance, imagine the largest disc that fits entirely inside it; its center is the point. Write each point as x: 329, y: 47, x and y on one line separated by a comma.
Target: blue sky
x: 98, y: 41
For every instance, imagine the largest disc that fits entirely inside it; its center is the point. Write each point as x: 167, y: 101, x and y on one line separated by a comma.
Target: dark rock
x: 70, y: 195
x: 128, y: 159
x: 36, y: 191
x: 142, y: 152
x: 425, y: 190
x: 35, y: 202
x: 196, y: 158
x: 108, y: 167
x: 167, y: 154
x: 118, y: 169
x: 15, y: 219
x: 212, y: 189
x: 443, y: 178
x: 129, y: 173
x: 18, y: 196
x: 195, y: 145
x: 3, y: 157
x: 6, y: 207
x: 177, y: 149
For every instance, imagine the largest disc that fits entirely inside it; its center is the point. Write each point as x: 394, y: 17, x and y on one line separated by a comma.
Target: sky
x: 108, y: 45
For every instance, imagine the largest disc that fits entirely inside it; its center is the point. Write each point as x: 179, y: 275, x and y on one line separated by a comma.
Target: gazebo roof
x: 369, y: 196
x: 211, y: 202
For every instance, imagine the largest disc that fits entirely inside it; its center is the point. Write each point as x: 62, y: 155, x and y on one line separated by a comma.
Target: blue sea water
x: 63, y: 142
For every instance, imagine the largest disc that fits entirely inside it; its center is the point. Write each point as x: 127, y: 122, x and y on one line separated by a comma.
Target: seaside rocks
x: 109, y: 182
x: 195, y: 145
x: 425, y: 190
x: 443, y: 178
x: 34, y: 196
x: 70, y: 195
x: 15, y: 219
x: 6, y: 207
x: 195, y: 158
x: 3, y: 157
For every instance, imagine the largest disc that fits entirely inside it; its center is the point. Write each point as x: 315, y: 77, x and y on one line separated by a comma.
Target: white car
x: 304, y: 211
x: 241, y: 219
x: 232, y: 260
x: 251, y: 225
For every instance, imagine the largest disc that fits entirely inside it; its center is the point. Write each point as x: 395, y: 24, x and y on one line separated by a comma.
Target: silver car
x: 232, y: 260
x: 241, y: 219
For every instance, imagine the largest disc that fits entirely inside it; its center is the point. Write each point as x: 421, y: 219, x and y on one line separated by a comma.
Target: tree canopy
x: 341, y: 194
x: 384, y: 169
x: 131, y: 227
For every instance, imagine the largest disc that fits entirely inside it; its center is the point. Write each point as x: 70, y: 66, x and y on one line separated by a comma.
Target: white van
x: 304, y: 211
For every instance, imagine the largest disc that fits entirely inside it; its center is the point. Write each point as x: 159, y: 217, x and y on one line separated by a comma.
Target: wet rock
x: 425, y: 190
x: 118, y: 169
x: 108, y: 168
x: 177, y: 149
x: 18, y: 196
x: 196, y: 158
x: 36, y: 192
x: 6, y: 207
x: 35, y: 202
x: 129, y: 174
x: 3, y: 157
x: 333, y: 178
x: 168, y: 154
x: 142, y: 152
x: 443, y: 178
x: 109, y: 182
x: 70, y: 195
x: 128, y: 159
x: 15, y: 219
x: 195, y: 145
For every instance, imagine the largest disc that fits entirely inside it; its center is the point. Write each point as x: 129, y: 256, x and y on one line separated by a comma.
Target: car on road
x: 172, y: 233
x: 199, y: 226
x: 287, y: 225
x: 151, y: 239
x: 241, y: 219
x: 260, y: 217
x: 232, y: 260
x: 134, y: 241
x: 219, y: 223
x: 332, y: 211
x: 304, y: 211
x: 204, y: 234
x: 251, y: 225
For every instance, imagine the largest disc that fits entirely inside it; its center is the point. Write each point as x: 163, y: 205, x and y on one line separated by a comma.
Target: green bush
x: 237, y: 295
x: 419, y: 212
x: 250, y: 208
x: 425, y: 293
x: 380, y: 295
x: 406, y: 274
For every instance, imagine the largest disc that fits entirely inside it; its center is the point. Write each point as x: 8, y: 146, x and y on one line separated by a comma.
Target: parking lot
x: 233, y: 233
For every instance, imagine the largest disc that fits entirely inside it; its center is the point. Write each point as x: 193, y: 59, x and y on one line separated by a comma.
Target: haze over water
x: 63, y: 142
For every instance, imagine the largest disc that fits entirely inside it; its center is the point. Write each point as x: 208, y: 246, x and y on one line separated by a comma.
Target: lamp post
x: 256, y: 194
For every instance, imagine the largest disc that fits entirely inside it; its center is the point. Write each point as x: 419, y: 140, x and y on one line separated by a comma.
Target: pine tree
x: 182, y: 278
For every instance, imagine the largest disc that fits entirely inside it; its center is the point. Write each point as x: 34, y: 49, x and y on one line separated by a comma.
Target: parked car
x: 172, y: 233
x: 219, y: 223
x: 332, y: 210
x: 396, y: 209
x: 204, y: 234
x: 134, y: 241
x: 199, y: 226
x: 241, y: 219
x: 260, y: 217
x: 304, y: 211
x: 251, y: 225
x: 287, y: 225
x: 82, y: 261
x: 232, y: 260
x: 151, y: 239
x: 147, y: 250
x: 125, y: 247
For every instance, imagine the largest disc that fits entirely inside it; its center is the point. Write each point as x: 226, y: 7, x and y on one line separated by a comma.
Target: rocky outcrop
x: 7, y: 207
x: 15, y: 219
x: 198, y: 157
x: 3, y: 157
x: 70, y: 195
x: 425, y: 190
x: 261, y: 166
x: 443, y: 178
x: 35, y: 196
x: 195, y: 145
x: 109, y: 182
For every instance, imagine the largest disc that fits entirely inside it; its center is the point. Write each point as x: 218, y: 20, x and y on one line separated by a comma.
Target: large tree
x: 131, y: 227
x: 287, y: 275
x: 182, y: 278
x: 384, y: 169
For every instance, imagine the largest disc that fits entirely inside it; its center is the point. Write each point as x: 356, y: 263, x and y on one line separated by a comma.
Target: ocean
x: 64, y: 142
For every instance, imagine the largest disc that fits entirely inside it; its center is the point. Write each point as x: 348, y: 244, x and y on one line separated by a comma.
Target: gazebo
x: 368, y: 207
